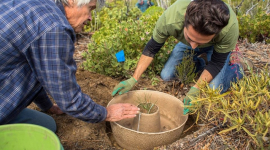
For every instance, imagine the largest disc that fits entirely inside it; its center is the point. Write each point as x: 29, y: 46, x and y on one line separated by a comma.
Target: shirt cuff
x: 151, y: 48
x: 101, y: 114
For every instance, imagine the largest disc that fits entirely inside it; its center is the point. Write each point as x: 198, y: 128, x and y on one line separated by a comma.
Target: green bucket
x: 27, y: 137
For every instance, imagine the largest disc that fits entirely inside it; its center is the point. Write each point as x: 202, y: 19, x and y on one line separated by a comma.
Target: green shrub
x: 255, y: 28
x: 253, y: 19
x: 126, y: 33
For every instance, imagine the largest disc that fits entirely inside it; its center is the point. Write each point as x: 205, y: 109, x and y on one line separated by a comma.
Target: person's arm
x: 226, y: 43
x: 151, y: 48
x: 213, y: 68
x: 205, y: 77
x: 142, y: 65
x: 51, y: 59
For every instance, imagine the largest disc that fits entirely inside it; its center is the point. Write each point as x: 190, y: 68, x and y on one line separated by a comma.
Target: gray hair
x: 80, y: 3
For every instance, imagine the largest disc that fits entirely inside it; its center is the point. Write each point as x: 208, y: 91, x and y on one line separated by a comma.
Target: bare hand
x: 55, y: 110
x: 121, y: 111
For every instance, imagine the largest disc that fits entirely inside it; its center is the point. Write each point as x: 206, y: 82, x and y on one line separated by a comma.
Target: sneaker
x: 238, y: 58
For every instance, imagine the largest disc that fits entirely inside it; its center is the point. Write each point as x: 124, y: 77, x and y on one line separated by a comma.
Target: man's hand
x: 121, y: 111
x: 193, y: 92
x: 125, y: 86
x: 55, y: 110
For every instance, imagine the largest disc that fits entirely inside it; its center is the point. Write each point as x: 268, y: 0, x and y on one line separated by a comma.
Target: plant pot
x: 147, y: 122
x: 172, y: 121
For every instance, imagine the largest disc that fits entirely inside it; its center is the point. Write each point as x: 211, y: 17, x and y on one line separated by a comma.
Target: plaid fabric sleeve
x: 51, y: 58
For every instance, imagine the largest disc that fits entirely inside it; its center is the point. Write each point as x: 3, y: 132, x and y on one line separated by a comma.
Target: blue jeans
x: 229, y: 73
x: 30, y: 116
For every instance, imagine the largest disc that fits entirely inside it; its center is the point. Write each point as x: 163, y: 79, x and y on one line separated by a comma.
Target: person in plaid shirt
x: 36, y: 56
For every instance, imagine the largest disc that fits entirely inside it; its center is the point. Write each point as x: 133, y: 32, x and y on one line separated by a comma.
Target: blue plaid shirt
x: 36, y: 58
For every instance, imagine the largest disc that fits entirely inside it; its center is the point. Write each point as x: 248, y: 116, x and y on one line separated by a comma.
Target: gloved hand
x: 193, y: 92
x: 125, y: 86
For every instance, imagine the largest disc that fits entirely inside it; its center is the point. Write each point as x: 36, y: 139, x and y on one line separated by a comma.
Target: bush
x: 129, y: 32
x: 255, y: 28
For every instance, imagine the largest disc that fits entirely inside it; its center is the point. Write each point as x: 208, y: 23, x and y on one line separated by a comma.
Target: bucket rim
x: 20, y: 125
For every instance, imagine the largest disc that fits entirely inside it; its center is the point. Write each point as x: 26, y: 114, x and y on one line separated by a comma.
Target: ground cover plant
x: 244, y: 109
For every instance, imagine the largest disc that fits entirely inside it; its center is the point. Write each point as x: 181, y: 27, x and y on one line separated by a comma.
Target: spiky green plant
x: 146, y: 104
x: 245, y: 108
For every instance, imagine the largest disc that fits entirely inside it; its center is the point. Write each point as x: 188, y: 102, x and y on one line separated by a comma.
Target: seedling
x: 146, y: 105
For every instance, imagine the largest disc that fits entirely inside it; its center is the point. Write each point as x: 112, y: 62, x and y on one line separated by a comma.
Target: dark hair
x: 207, y: 17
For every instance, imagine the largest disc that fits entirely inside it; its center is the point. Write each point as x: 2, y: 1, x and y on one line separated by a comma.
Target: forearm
x: 151, y: 48
x: 217, y: 63
x: 213, y: 68
x: 143, y: 63
x: 205, y: 77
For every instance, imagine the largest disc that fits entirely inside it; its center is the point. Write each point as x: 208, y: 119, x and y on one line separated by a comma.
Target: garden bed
x: 78, y: 135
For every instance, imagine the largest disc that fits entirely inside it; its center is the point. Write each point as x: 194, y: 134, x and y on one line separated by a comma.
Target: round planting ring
x: 172, y: 121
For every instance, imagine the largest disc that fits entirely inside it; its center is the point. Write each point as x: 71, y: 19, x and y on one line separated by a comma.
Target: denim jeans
x: 30, y: 116
x: 229, y: 73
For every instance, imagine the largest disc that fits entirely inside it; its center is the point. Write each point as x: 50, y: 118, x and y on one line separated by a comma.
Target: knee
x: 47, y: 122
x: 51, y: 124
x: 166, y: 76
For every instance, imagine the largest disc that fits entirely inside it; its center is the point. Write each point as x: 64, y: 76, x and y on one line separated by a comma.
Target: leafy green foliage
x: 253, y: 19
x: 255, y: 28
x: 129, y: 32
x: 114, y: 13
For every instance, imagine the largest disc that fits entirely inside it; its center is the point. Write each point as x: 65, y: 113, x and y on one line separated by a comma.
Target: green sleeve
x: 227, y: 39
x: 228, y: 42
x: 171, y: 22
x: 160, y: 33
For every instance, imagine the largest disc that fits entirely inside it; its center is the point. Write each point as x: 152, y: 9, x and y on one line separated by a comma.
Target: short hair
x: 81, y: 2
x: 207, y: 17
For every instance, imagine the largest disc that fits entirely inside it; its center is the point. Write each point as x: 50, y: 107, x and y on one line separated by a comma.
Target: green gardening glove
x: 125, y: 86
x: 193, y: 92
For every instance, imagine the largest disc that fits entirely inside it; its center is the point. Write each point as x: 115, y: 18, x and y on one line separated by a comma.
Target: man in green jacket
x: 205, y: 26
